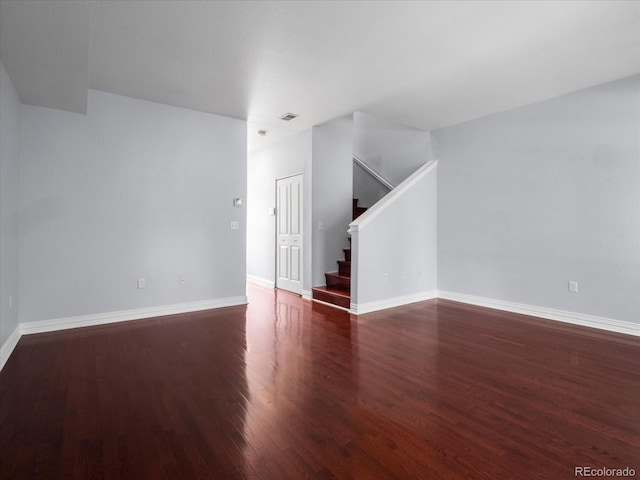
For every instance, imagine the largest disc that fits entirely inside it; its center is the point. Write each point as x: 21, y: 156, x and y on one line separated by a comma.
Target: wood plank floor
x: 287, y: 389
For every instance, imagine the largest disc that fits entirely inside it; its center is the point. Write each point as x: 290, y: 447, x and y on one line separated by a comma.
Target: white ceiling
x: 424, y: 64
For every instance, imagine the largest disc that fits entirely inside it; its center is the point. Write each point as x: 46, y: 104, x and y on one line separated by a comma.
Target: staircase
x: 338, y: 289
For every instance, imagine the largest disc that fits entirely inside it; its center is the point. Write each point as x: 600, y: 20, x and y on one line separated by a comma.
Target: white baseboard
x: 263, y: 282
x: 127, y: 315
x: 360, y: 308
x: 8, y: 346
x: 307, y: 295
x: 592, y: 321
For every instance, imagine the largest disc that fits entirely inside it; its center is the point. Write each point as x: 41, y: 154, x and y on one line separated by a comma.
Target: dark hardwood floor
x: 287, y: 389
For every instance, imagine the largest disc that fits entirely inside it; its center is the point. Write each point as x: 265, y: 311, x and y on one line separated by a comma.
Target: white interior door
x: 289, y: 233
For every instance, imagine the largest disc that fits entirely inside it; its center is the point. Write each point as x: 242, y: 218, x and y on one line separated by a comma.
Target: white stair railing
x: 373, y: 173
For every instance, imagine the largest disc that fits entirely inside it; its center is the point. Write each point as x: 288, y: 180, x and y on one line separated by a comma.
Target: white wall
x: 133, y: 189
x: 10, y: 114
x: 332, y: 181
x: 534, y: 197
x: 287, y: 157
x: 392, y: 150
x: 394, y: 257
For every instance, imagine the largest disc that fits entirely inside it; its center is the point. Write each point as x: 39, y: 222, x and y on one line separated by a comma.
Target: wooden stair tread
x: 332, y: 291
x: 330, y: 295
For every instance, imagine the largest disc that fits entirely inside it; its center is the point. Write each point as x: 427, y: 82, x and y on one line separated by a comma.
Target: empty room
x: 319, y: 239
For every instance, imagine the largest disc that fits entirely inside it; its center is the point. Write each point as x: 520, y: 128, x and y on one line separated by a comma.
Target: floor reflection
x: 298, y: 374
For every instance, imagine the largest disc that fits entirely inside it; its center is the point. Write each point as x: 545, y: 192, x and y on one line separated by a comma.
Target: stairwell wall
x: 391, y: 149
x: 394, y: 256
x: 332, y: 180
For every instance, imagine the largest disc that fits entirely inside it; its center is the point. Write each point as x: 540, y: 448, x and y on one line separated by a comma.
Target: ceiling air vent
x: 287, y: 117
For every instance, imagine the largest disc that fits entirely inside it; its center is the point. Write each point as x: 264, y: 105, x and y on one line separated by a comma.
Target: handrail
x: 388, y: 199
x: 373, y: 173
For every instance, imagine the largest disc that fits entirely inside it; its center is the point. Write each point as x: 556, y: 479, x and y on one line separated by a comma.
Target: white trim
x: 331, y: 305
x: 361, y: 308
x: 591, y: 321
x: 307, y: 295
x: 584, y: 320
x: 389, y: 198
x: 127, y: 315
x: 263, y: 282
x: 7, y: 347
x: 289, y: 176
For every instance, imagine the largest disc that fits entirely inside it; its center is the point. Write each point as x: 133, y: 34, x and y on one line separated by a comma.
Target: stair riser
x: 347, y: 254
x: 338, y: 283
x: 333, y: 299
x: 344, y: 268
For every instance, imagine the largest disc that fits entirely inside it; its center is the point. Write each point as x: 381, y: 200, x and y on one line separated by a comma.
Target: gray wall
x: 534, y: 197
x: 10, y: 113
x: 133, y: 189
x: 287, y: 157
x: 392, y: 150
x: 395, y: 252
x: 332, y: 180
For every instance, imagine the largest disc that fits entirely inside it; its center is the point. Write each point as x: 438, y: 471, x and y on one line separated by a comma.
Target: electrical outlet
x: 182, y: 280
x: 385, y: 277
x: 235, y: 225
x: 142, y: 283
x: 573, y: 286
